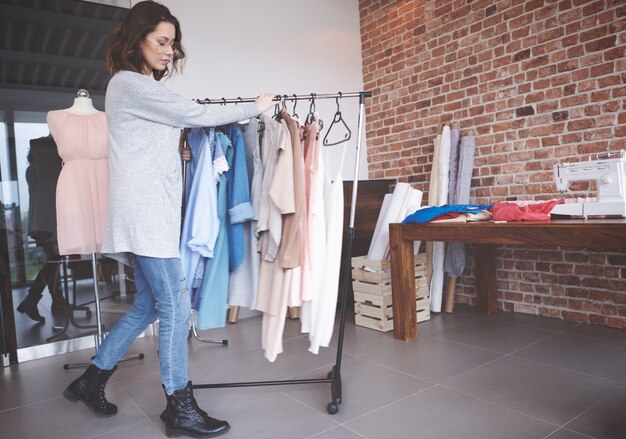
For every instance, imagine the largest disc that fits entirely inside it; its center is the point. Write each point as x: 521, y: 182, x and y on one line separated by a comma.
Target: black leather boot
x: 168, y: 409
x: 89, y: 388
x: 29, y: 306
x: 184, y: 417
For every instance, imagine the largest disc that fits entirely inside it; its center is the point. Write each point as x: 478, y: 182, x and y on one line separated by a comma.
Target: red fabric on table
x: 539, y: 211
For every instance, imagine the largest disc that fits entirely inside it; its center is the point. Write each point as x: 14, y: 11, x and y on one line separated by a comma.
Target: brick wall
x: 538, y: 82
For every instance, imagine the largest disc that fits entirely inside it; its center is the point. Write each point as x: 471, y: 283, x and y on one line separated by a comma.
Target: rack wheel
x: 332, y: 408
x: 329, y: 375
x: 225, y: 342
x: 140, y: 356
x: 88, y: 313
x: 66, y: 366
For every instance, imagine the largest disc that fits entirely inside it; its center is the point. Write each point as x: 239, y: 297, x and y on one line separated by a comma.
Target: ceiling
x: 55, y: 45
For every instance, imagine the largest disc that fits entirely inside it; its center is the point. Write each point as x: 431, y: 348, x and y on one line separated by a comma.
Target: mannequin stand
x: 99, y: 335
x: 71, y: 308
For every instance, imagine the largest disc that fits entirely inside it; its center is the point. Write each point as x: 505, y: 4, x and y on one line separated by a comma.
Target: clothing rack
x: 334, y: 376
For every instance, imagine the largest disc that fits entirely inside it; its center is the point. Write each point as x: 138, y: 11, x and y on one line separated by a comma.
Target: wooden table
x: 610, y: 233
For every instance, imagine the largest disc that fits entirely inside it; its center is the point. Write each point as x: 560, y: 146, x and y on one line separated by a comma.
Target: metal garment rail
x: 334, y: 376
x: 292, y: 97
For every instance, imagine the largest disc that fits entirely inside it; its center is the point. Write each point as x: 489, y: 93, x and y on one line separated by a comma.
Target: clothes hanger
x: 337, y: 118
x: 283, y: 104
x: 313, y: 116
x: 293, y: 113
x: 277, y: 115
x: 279, y: 108
x: 310, y: 117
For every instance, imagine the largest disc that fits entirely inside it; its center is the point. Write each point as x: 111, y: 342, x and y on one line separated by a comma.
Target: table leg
x: 485, y: 275
x: 403, y: 285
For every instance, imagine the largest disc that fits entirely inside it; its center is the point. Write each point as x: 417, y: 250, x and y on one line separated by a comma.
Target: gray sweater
x: 145, y: 183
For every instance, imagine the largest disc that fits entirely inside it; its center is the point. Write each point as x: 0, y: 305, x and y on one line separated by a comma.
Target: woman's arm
x: 146, y: 98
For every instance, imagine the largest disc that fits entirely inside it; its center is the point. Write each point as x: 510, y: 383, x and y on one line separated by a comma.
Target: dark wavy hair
x: 124, y: 52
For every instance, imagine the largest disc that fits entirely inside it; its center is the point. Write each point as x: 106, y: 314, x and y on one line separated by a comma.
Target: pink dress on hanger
x: 82, y: 188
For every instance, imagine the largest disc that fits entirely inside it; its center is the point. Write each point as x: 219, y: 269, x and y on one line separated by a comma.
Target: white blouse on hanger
x: 323, y: 317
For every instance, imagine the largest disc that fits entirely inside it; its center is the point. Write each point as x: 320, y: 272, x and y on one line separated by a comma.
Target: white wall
x: 245, y: 47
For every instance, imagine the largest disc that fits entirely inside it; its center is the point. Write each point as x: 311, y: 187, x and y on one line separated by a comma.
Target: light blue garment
x: 244, y: 282
x: 220, y: 166
x: 197, y: 281
x: 213, y: 294
x: 200, y: 224
x: 170, y: 304
x: 239, y: 207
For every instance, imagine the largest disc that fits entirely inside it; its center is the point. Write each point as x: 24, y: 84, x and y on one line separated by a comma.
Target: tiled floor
x: 467, y: 376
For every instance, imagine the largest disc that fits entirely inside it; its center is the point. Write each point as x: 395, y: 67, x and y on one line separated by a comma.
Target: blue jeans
x: 161, y: 293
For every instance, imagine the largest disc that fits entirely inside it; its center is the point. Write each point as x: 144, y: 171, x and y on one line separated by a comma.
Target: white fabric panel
x: 324, y: 307
x: 413, y: 204
x: 381, y: 218
x: 439, y: 248
x: 393, y: 214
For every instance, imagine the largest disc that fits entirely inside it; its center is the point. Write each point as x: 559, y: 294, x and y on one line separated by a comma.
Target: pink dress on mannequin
x: 82, y: 188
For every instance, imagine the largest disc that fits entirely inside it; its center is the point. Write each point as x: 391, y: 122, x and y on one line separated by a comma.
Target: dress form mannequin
x: 82, y: 106
x: 81, y: 135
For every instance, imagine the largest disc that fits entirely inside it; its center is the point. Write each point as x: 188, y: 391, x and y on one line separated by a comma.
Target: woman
x: 144, y: 215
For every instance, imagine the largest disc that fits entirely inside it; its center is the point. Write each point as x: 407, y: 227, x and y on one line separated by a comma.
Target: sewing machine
x: 609, y: 172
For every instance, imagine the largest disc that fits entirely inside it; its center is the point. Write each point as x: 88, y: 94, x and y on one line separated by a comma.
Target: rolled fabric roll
x: 439, y: 248
x: 393, y: 214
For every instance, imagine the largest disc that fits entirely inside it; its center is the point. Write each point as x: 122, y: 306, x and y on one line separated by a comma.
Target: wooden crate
x: 371, y: 282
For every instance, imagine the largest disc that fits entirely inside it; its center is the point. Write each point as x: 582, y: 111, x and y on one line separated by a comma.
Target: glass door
x: 30, y: 264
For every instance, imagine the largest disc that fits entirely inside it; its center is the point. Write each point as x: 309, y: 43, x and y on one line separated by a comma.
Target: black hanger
x: 293, y: 113
x: 279, y: 108
x: 310, y: 118
x: 277, y: 115
x: 336, y: 120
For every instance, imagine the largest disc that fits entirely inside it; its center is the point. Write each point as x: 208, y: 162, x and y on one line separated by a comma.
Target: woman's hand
x: 265, y: 101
